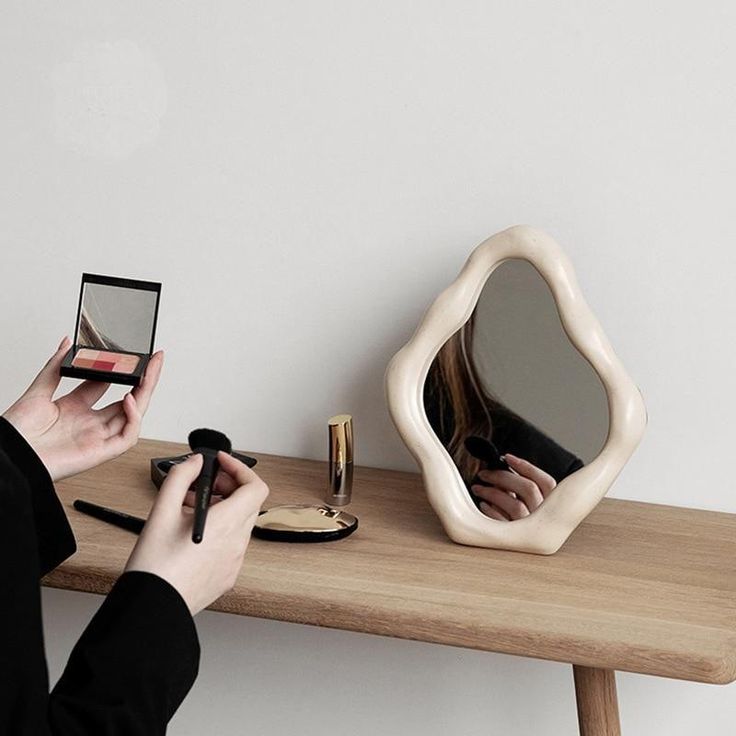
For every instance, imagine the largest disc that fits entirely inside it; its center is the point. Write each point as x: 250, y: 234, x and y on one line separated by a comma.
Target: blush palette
x: 115, y: 330
x: 102, y: 360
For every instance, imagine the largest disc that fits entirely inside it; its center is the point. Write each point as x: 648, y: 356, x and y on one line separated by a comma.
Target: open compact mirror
x: 511, y: 399
x: 115, y: 330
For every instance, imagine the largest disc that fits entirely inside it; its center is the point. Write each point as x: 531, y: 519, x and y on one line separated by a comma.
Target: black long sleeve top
x: 135, y: 661
x: 510, y: 433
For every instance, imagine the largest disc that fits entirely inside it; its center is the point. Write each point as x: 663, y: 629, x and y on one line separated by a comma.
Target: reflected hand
x: 505, y: 495
x: 67, y: 433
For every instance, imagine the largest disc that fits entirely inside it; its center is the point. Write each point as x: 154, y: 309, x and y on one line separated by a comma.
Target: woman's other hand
x: 67, y: 433
x: 200, y: 572
x: 507, y: 495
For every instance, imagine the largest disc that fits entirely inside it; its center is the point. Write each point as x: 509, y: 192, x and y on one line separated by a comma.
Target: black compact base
x: 283, y: 535
x: 160, y: 466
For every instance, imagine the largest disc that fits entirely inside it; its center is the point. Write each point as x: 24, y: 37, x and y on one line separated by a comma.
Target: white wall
x: 304, y: 178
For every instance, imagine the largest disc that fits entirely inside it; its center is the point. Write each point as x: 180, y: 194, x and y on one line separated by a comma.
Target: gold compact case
x: 299, y: 523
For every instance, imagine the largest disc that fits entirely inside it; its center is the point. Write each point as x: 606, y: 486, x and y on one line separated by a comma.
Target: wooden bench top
x: 637, y: 587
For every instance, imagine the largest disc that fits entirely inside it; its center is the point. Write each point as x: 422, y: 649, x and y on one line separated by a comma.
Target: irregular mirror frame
x: 544, y: 531
x: 511, y: 375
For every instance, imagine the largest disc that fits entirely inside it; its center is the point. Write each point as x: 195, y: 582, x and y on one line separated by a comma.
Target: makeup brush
x: 207, y: 442
x: 485, y: 450
x: 111, y: 516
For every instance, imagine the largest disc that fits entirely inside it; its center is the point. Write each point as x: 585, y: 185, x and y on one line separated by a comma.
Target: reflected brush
x: 483, y: 449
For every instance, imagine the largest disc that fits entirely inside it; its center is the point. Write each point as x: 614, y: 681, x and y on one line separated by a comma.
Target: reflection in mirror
x: 514, y: 403
x: 116, y: 318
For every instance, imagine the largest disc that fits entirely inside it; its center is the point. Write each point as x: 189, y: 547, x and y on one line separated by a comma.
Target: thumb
x: 48, y: 378
x: 174, y: 488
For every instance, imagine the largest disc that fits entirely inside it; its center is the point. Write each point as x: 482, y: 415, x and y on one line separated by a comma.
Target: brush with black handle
x: 207, y: 442
x: 485, y: 450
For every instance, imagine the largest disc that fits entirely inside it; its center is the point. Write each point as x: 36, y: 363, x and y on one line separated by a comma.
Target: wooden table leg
x: 595, y: 691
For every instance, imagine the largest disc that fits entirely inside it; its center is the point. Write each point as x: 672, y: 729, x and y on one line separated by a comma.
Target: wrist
x: 22, y: 448
x: 32, y: 438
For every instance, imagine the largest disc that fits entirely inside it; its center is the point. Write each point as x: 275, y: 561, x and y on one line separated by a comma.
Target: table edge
x: 714, y: 670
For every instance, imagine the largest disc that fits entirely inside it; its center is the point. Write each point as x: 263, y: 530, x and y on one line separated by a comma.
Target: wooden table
x: 638, y: 587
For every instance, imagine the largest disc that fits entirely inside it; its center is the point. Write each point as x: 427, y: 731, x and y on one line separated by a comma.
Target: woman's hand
x: 512, y: 495
x: 200, y: 572
x: 67, y: 433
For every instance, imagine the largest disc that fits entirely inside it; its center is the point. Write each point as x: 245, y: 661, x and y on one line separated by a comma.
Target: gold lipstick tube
x: 340, y: 435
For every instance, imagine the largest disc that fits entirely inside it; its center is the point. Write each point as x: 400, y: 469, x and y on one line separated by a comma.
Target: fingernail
x: 63, y: 342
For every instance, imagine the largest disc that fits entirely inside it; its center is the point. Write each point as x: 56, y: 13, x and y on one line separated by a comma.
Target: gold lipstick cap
x: 340, y: 436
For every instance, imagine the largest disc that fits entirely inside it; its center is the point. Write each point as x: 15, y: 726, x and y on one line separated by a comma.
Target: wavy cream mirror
x: 511, y: 356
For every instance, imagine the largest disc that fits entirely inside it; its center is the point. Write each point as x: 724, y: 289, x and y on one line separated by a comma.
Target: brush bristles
x: 480, y: 448
x: 209, y: 438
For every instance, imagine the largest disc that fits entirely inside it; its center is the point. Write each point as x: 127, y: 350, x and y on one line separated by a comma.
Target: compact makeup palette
x: 100, y: 360
x: 115, y: 330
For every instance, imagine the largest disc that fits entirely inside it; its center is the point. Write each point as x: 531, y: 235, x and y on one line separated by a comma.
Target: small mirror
x: 115, y: 330
x: 117, y: 318
x: 511, y: 376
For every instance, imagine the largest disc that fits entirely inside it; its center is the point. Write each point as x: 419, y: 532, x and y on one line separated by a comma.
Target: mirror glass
x: 511, y: 378
x: 116, y: 318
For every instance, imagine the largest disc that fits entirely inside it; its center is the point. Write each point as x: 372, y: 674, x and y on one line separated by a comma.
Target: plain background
x: 304, y: 178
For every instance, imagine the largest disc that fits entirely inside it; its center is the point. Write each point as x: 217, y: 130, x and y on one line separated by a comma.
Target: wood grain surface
x: 637, y: 587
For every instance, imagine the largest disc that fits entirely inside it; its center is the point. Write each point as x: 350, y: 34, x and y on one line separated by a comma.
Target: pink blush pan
x: 102, y: 360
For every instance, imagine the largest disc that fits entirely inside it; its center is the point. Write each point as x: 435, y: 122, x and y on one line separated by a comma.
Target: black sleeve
x: 135, y: 661
x: 133, y: 666
x: 23, y: 676
x: 53, y: 536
